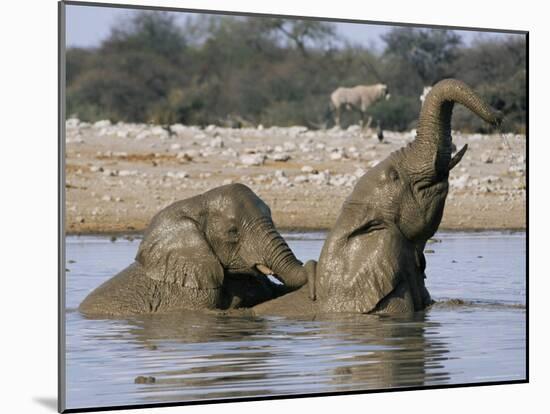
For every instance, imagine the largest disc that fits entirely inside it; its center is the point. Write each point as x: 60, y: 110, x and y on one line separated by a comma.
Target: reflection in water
x: 404, y: 356
x: 196, y: 356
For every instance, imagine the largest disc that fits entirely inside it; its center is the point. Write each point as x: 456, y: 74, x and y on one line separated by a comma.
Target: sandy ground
x: 119, y: 176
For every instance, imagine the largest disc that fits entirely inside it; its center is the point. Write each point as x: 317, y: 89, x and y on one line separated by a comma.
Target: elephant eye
x: 232, y: 232
x: 393, y: 174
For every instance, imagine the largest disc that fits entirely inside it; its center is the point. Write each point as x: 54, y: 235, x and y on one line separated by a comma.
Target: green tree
x: 429, y: 52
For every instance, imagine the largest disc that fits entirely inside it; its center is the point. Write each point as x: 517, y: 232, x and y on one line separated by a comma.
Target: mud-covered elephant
x: 211, y: 251
x: 372, y: 260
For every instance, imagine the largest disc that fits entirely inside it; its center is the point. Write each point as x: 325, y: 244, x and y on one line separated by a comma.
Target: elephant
x: 210, y: 251
x: 360, y: 98
x: 425, y: 93
x: 373, y: 258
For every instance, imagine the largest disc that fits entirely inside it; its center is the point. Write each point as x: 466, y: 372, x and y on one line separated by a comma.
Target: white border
x: 29, y: 202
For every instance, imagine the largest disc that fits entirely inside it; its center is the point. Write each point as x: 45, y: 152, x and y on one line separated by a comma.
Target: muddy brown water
x: 193, y: 356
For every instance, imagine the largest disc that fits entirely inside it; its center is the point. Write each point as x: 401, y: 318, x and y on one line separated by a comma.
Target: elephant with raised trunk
x: 373, y: 260
x: 211, y: 251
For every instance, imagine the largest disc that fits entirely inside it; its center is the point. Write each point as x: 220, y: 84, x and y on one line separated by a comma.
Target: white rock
x: 127, y: 173
x: 308, y: 169
x: 75, y: 140
x: 178, y: 174
x: 106, y: 198
x: 296, y: 130
x: 289, y: 146
x: 280, y: 157
x: 322, y: 178
x: 338, y: 180
x: 216, y: 142
x: 142, y: 135
x: 122, y: 133
x: 335, y: 156
x: 175, y: 147
x: 160, y: 132
x: 102, y: 124
x: 252, y: 159
x: 178, y: 128
x: 301, y: 179
x: 459, y: 182
x: 72, y: 122
x: 305, y: 147
x: 230, y: 152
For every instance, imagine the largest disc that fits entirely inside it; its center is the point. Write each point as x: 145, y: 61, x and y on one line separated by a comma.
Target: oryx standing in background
x: 357, y: 98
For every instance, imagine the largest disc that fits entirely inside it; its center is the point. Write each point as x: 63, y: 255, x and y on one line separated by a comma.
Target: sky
x: 87, y: 26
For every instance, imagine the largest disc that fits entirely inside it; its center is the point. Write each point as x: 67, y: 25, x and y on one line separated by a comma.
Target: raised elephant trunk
x: 278, y: 258
x: 433, y: 140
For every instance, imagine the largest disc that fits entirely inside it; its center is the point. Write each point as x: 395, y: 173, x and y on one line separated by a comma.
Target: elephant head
x: 207, y: 251
x: 227, y: 230
x: 372, y: 260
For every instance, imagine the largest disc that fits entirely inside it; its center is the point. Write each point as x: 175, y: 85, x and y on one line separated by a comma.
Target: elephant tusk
x: 458, y: 156
x: 264, y: 269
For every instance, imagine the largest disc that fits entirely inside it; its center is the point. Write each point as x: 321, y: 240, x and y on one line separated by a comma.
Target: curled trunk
x: 433, y: 138
x: 278, y: 257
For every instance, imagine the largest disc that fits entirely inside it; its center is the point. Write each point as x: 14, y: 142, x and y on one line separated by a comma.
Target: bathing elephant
x: 358, y: 98
x: 211, y: 251
x: 372, y: 260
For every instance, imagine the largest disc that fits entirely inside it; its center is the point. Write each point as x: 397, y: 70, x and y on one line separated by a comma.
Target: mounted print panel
x: 259, y: 206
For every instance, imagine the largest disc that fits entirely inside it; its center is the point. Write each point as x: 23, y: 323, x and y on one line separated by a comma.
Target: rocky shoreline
x: 119, y: 175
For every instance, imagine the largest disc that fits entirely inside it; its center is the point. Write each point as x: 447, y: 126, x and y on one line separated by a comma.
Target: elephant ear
x: 175, y: 251
x: 376, y: 259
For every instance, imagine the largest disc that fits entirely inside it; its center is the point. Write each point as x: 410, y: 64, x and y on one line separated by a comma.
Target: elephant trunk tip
x: 454, y: 90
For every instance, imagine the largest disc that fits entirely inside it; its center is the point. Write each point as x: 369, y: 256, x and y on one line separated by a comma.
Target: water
x: 195, y: 356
